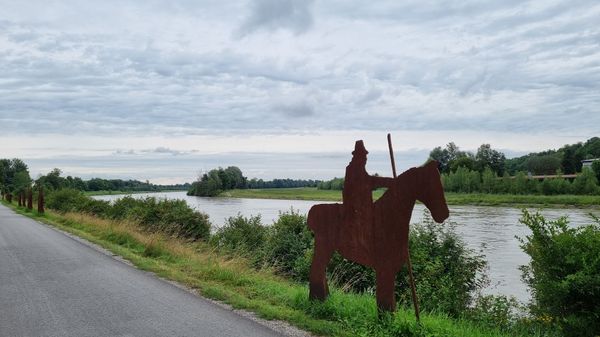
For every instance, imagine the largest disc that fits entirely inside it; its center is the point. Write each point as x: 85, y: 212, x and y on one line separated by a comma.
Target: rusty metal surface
x: 374, y: 234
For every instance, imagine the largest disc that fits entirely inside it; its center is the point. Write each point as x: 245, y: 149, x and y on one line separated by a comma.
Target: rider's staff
x: 410, y: 269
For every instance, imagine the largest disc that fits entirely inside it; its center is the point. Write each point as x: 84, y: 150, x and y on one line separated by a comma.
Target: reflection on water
x: 489, y: 229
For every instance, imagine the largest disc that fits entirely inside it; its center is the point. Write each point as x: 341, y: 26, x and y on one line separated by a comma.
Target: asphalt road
x: 54, y: 285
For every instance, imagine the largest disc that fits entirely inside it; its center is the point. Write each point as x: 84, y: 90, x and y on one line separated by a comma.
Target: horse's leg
x: 318, y: 281
x: 386, y: 281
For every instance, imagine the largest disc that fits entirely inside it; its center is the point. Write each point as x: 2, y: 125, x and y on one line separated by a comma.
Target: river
x: 491, y: 230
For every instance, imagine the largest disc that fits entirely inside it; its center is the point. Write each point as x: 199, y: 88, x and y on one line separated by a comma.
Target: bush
x: 586, y: 182
x: 173, y: 217
x: 95, y: 207
x: 495, y: 311
x: 564, y: 273
x: 125, y: 207
x: 289, y: 244
x: 448, y: 275
x: 185, y: 221
x: 240, y: 234
x: 65, y: 200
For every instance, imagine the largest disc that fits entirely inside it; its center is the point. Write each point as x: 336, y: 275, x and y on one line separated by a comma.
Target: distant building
x: 588, y: 163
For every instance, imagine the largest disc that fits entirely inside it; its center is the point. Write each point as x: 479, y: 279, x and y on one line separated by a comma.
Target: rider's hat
x: 359, y: 148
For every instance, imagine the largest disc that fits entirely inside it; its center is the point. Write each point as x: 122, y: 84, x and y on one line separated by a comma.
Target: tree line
x: 15, y: 178
x: 566, y: 159
x: 488, y: 171
x: 218, y: 180
x: 53, y: 180
x: 464, y: 180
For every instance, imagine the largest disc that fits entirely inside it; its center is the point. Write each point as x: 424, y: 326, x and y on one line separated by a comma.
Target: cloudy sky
x: 162, y: 90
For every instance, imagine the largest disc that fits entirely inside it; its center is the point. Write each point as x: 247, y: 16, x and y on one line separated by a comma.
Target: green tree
x: 560, y: 185
x: 21, y: 182
x: 467, y: 161
x: 596, y: 169
x: 445, y: 156
x: 488, y: 181
x: 18, y: 165
x: 546, y: 164
x: 5, y: 168
x: 488, y: 157
x: 586, y: 182
x: 519, y: 184
x: 570, y: 162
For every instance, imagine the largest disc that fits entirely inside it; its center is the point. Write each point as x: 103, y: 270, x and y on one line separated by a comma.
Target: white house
x: 588, y: 163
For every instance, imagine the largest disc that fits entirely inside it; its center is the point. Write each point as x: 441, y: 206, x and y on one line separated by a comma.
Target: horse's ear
x: 432, y: 163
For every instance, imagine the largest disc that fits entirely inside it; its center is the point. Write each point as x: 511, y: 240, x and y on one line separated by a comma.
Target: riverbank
x: 232, y: 280
x: 309, y: 193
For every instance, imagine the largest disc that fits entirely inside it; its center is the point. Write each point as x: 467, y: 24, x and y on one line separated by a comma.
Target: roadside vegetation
x: 264, y: 268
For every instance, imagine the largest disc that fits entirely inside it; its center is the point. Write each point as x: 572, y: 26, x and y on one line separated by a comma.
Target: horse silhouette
x: 381, y: 245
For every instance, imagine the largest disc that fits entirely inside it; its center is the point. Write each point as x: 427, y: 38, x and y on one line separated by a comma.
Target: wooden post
x: 29, y: 198
x: 41, y: 200
x: 411, y: 277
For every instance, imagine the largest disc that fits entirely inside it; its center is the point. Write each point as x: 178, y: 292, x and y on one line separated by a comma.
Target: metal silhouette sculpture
x: 373, y: 234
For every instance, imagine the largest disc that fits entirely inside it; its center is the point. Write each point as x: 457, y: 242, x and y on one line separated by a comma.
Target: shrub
x: 65, y: 200
x: 240, y: 234
x: 586, y: 182
x: 495, y: 311
x: 95, y: 207
x: 125, y: 207
x: 448, y: 275
x: 564, y: 273
x: 288, y: 245
x: 175, y: 217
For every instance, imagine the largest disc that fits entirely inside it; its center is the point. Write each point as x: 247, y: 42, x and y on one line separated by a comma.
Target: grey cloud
x: 164, y: 150
x: 292, y: 15
x: 295, y: 109
x: 478, y: 64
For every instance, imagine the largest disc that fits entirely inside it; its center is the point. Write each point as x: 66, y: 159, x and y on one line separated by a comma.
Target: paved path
x: 53, y: 285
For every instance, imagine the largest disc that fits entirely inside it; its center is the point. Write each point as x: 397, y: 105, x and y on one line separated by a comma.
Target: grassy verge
x: 308, y: 193
x: 232, y: 280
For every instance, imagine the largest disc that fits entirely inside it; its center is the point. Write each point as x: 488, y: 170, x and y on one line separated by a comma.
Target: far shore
x: 542, y: 201
x: 476, y: 199
x: 107, y: 192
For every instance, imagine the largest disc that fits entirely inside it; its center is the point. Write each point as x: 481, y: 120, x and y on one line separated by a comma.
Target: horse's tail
x: 311, y: 218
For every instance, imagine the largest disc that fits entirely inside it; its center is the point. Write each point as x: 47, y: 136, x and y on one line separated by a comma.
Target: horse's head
x: 431, y: 192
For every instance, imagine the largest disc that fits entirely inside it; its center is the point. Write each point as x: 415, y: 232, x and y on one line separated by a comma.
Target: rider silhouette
x: 357, y: 194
